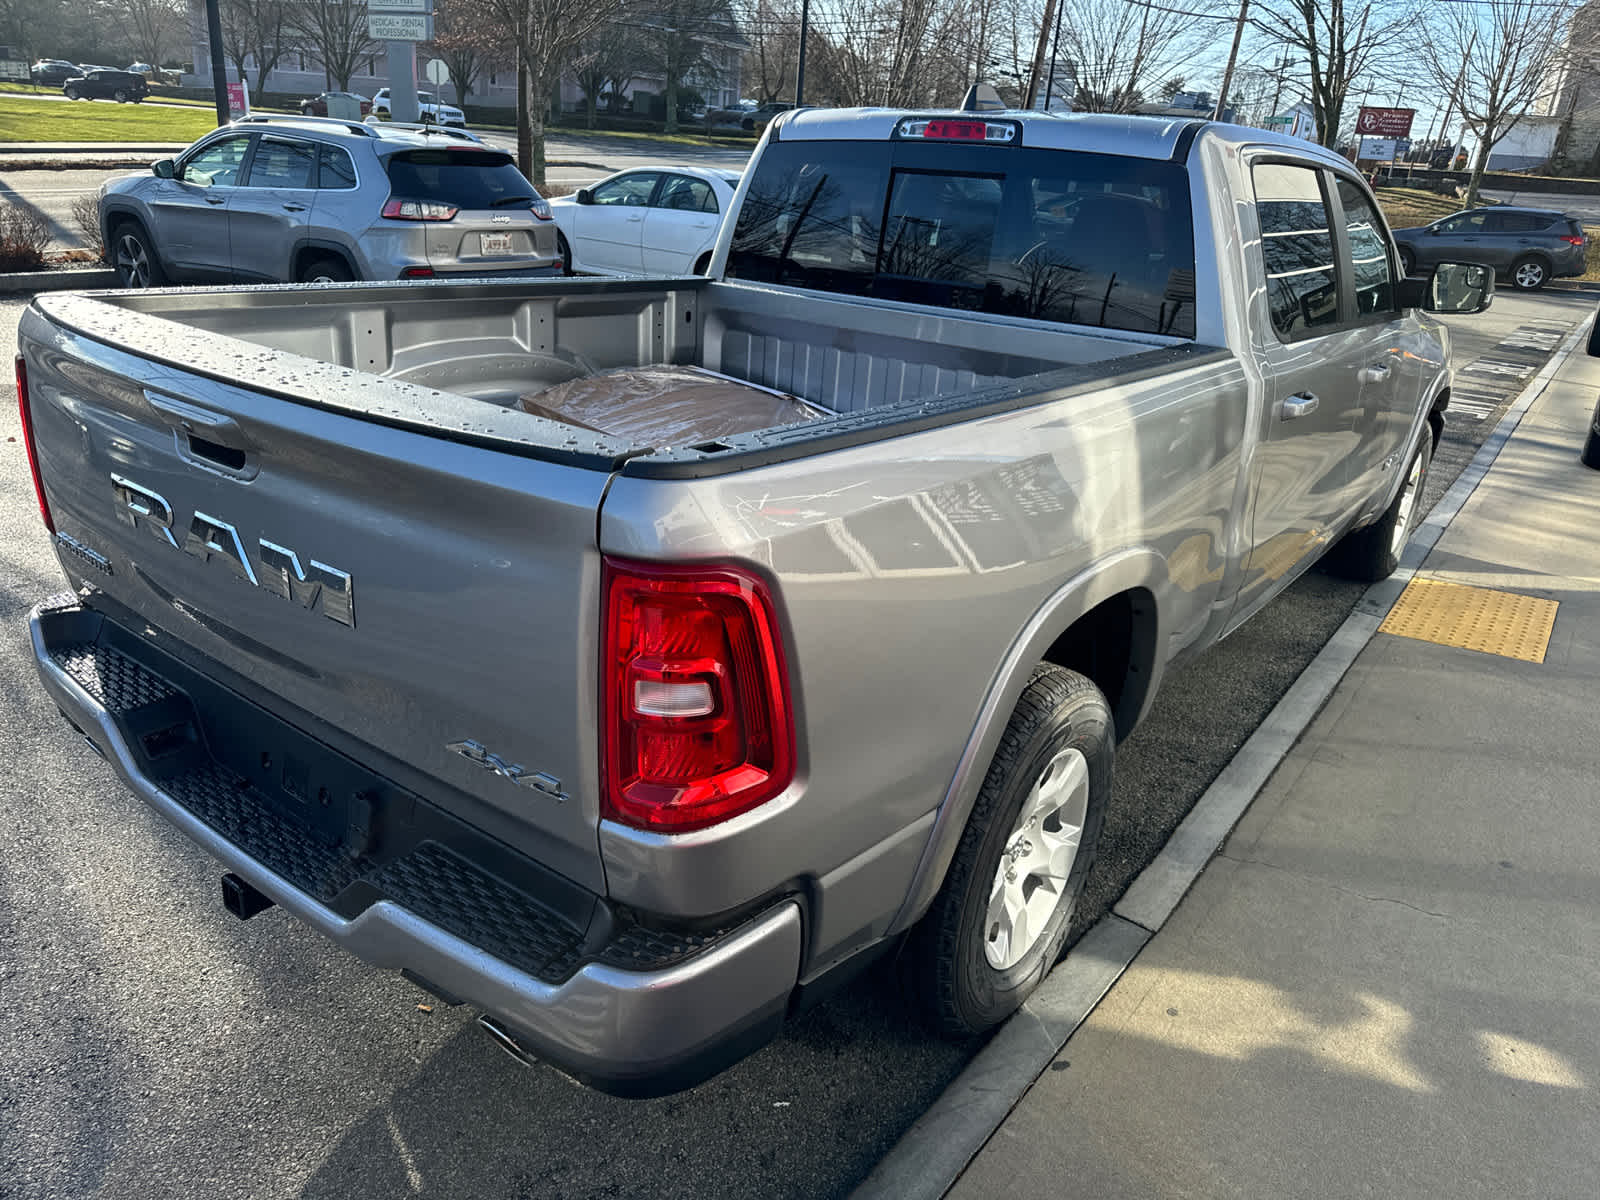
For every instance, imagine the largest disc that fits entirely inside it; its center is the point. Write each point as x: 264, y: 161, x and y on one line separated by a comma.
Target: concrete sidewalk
x: 1388, y: 983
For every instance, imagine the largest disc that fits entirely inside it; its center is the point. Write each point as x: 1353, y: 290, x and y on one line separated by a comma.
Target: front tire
x: 72, y: 93
x: 1002, y: 916
x: 120, y: 96
x: 566, y: 253
x: 1530, y: 273
x: 134, y: 259
x: 1373, y: 553
x: 1591, y: 447
x: 1408, y: 263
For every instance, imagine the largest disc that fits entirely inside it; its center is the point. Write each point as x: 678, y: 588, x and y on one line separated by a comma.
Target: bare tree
x: 545, y: 34
x: 1493, y: 60
x: 681, y: 36
x: 1120, y: 49
x: 149, y: 26
x: 772, y: 27
x: 607, y: 62
x: 1339, y: 40
x: 336, y: 32
x: 258, y: 31
x: 464, y: 37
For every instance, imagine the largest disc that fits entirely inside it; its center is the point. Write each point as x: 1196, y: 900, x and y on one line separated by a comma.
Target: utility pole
x: 219, y: 64
x: 1233, y: 57
x: 1039, y: 53
x: 800, y: 71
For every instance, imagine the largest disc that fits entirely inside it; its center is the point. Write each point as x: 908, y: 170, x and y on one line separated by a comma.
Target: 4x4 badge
x: 539, y: 781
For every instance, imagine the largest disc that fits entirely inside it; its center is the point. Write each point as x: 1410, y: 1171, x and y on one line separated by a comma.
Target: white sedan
x: 645, y: 221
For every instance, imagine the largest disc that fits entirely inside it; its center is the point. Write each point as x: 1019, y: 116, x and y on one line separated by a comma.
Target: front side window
x: 217, y: 165
x: 1467, y: 222
x: 630, y: 191
x: 1296, y: 248
x: 1052, y: 235
x: 1369, y: 251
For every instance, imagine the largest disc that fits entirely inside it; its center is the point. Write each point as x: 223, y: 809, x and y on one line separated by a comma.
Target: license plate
x: 494, y: 243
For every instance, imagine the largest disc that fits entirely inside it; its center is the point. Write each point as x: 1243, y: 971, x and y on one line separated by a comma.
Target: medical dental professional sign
x: 400, y: 20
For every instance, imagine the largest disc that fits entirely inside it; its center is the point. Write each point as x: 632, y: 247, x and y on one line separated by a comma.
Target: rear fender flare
x: 312, y: 248
x: 1128, y: 571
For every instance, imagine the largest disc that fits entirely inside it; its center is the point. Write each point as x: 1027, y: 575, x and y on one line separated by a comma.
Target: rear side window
x: 282, y: 164
x: 1525, y: 222
x: 464, y: 178
x: 334, y: 168
x: 1297, y: 249
x: 684, y: 194
x: 1052, y: 235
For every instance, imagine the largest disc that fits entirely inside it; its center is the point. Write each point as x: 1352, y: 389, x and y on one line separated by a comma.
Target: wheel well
x: 701, y: 263
x: 1436, y: 415
x: 1114, y: 645
x: 307, y: 255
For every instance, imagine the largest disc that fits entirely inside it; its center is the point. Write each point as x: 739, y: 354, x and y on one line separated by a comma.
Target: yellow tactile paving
x: 1474, y: 618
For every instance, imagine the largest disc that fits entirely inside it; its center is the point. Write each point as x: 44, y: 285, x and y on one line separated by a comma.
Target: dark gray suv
x: 1528, y: 247
x: 312, y: 200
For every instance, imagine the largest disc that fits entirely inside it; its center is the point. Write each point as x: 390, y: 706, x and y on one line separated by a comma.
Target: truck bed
x: 454, y: 360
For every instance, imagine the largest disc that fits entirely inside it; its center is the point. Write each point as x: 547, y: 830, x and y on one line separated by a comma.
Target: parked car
x: 431, y: 110
x: 141, y: 68
x: 122, y: 86
x: 755, y: 122
x: 317, y: 106
x: 53, y: 72
x: 1526, y: 246
x: 640, y: 734
x: 646, y: 220
x: 302, y: 199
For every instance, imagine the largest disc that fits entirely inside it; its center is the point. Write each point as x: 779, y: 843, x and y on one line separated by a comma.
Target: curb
x: 58, y: 281
x: 932, y: 1155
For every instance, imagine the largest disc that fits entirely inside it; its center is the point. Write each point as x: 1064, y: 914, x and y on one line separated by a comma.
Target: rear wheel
x: 1373, y: 553
x: 325, y: 270
x: 1530, y: 273
x: 134, y: 260
x: 120, y: 96
x: 1003, y: 913
x: 1591, y: 447
x: 566, y: 253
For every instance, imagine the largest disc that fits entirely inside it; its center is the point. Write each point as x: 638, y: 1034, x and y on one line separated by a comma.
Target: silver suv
x: 303, y: 199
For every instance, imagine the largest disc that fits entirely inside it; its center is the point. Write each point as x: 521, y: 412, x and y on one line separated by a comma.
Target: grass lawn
x: 23, y: 120
x: 627, y: 135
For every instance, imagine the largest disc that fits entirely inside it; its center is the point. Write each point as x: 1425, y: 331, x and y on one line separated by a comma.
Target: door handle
x: 1301, y: 404
x: 294, y: 208
x: 216, y: 199
x: 635, y: 218
x: 1376, y: 373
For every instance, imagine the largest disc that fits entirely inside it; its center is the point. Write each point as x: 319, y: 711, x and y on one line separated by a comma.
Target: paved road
x: 52, y: 192
x: 155, y: 1046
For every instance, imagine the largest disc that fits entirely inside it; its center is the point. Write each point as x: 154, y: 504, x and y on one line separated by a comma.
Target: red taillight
x: 1574, y: 239
x: 961, y: 131
x: 419, y: 210
x: 695, y: 714
x: 417, y: 273
x: 27, y: 442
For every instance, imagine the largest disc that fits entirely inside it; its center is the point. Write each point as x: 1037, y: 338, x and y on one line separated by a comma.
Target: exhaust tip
x: 503, y: 1038
x: 242, y: 899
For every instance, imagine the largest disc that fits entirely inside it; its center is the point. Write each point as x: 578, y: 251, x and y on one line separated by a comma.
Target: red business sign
x: 1385, y: 122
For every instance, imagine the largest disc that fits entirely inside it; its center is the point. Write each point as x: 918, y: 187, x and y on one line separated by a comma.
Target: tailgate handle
x: 210, y: 437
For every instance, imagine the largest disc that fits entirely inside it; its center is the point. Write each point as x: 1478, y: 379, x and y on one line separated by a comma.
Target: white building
x: 298, y: 73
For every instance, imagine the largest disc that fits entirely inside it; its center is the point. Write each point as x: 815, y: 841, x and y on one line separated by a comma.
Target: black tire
x: 949, y: 966
x: 120, y: 96
x: 1530, y: 273
x: 1591, y: 446
x: 1408, y: 263
x: 565, y: 251
x: 1373, y: 553
x: 326, y: 269
x: 702, y: 263
x: 427, y: 118
x: 72, y: 93
x: 133, y: 255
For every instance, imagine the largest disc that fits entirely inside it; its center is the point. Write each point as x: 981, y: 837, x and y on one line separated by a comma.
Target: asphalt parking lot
x: 156, y: 1046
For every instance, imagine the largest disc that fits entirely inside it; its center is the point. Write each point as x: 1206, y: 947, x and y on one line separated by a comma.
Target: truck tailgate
x: 435, y: 601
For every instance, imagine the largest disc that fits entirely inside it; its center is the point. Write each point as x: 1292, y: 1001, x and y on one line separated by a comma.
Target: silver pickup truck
x: 586, y: 703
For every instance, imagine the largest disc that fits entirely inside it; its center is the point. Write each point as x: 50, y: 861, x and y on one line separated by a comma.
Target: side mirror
x: 584, y: 196
x: 1433, y: 231
x: 164, y: 168
x: 1458, y: 289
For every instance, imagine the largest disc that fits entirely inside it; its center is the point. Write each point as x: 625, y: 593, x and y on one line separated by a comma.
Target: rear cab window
x: 1297, y: 249
x: 1054, y: 235
x: 464, y: 178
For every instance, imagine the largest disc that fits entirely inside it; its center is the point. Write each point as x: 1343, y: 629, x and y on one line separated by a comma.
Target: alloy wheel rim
x: 1037, y: 860
x: 1530, y: 275
x: 1408, y: 508
x: 133, y: 262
